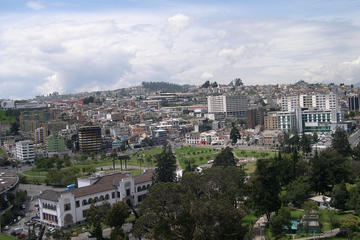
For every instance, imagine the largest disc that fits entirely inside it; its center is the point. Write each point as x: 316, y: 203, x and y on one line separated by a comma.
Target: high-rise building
x: 55, y: 144
x: 90, y: 139
x: 25, y: 151
x: 228, y: 106
x: 353, y: 102
x: 270, y: 122
x: 311, y: 101
x: 40, y: 135
x: 255, y: 117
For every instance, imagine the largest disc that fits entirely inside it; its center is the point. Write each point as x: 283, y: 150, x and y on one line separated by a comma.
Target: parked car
x: 51, y: 229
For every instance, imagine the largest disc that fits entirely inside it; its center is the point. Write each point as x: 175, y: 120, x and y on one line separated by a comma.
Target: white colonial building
x: 66, y: 208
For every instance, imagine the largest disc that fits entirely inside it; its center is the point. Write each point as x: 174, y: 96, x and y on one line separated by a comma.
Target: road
x: 354, y: 138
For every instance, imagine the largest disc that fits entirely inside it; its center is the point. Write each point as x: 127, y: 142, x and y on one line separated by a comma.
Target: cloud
x: 35, y: 5
x: 83, y: 52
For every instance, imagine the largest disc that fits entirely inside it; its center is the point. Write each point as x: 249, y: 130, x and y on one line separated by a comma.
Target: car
x: 6, y: 227
x: 210, y: 162
x: 21, y: 236
x: 51, y: 229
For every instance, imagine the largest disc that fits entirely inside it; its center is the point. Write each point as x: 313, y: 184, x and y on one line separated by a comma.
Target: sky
x: 73, y: 46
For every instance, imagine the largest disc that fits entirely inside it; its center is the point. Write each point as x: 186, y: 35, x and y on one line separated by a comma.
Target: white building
x: 228, y: 106
x: 25, y: 151
x: 66, y: 208
x: 310, y: 101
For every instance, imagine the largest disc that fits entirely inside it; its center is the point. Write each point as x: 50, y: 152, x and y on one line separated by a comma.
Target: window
x: 107, y: 197
x: 77, y: 203
x: 102, y: 198
x: 96, y: 199
x: 139, y: 189
x: 118, y: 194
x: 113, y: 195
x: 84, y: 202
x: 127, y: 192
x: 90, y: 201
x: 67, y: 206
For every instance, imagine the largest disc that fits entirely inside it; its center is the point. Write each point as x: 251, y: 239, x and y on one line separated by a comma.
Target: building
x: 66, y: 208
x: 159, y: 136
x: 306, y: 120
x: 40, y: 135
x: 311, y: 101
x: 270, y: 122
x: 255, y: 117
x: 228, y: 106
x: 55, y: 144
x: 25, y: 151
x: 353, y: 103
x: 90, y: 139
x: 30, y: 119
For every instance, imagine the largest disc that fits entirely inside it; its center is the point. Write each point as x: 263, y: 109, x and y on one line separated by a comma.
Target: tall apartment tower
x: 90, y: 139
x: 25, y: 151
x: 228, y: 106
x: 353, y: 103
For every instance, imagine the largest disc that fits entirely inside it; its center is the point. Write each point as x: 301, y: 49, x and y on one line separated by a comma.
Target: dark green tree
x: 315, y: 138
x: 202, y: 206
x: 225, y: 158
x: 340, y: 142
x: 206, y: 84
x: 14, y: 129
x: 234, y: 134
x: 298, y: 191
x: 339, y: 196
x: 117, y: 215
x: 305, y: 143
x: 165, y: 165
x: 355, y: 153
x: 280, y: 221
x: 265, y: 187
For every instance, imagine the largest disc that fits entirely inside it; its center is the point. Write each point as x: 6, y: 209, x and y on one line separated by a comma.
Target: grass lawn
x: 6, y: 237
x: 250, y: 167
x: 249, y: 219
x: 254, y: 153
x: 143, y: 155
x: 6, y: 119
x: 199, y: 155
x: 295, y: 214
x: 325, y: 219
x: 35, y: 173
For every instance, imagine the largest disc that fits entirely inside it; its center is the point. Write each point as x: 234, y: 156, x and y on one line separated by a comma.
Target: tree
x: 234, y: 135
x: 165, y: 165
x: 315, y: 138
x: 265, y: 187
x: 349, y: 225
x: 113, y: 156
x: 206, y: 84
x: 328, y: 169
x: 339, y: 196
x: 298, y: 191
x: 59, y: 163
x: 202, y: 206
x: 117, y: 215
x: 225, y: 158
x: 214, y: 85
x: 340, y: 142
x: 14, y: 129
x: 356, y: 153
x: 95, y: 215
x: 305, y: 143
x: 280, y: 221
x: 149, y: 160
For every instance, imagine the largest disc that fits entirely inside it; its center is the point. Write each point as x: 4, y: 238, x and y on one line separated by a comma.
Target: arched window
x: 84, y: 202
x: 102, y: 198
x: 107, y: 196
x: 96, y: 199
x: 139, y: 189
x: 148, y: 186
x: 90, y: 200
x: 144, y: 187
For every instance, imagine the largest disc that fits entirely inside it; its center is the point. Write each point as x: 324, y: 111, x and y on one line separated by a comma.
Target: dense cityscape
x: 293, y: 147
x: 179, y: 120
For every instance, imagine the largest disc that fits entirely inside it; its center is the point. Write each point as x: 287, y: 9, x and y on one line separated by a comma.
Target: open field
x: 197, y: 155
x: 254, y: 153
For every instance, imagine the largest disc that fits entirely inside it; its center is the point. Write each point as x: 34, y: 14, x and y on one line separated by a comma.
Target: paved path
x: 331, y: 233
x: 259, y: 228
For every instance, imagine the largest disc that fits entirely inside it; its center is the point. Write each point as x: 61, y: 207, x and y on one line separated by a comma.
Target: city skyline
x: 69, y: 47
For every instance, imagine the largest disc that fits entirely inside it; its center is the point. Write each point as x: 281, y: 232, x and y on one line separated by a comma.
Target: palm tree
x: 149, y: 159
x: 113, y: 157
x: 121, y: 162
x: 140, y: 160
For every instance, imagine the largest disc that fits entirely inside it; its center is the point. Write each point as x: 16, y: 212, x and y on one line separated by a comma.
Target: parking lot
x: 31, y: 209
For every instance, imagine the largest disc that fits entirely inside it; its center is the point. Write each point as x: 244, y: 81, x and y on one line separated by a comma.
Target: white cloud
x: 82, y: 52
x: 35, y: 5
x: 206, y: 76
